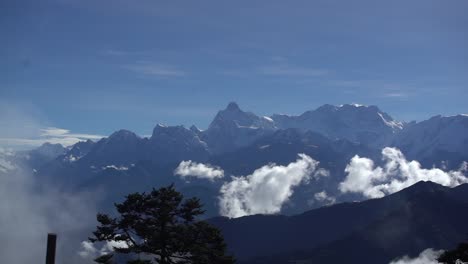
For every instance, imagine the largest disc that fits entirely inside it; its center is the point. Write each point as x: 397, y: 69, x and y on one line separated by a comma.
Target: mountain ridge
x: 322, y: 229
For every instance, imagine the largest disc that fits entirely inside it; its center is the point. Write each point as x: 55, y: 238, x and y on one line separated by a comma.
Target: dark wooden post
x: 51, y: 244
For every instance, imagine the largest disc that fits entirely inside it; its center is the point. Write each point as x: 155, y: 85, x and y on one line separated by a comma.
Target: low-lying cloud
x: 198, y: 170
x: 30, y: 209
x: 428, y: 256
x: 267, y: 188
x: 396, y: 174
x: 90, y: 251
x: 324, y: 198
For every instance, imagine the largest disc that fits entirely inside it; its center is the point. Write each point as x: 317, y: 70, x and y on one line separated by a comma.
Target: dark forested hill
x: 425, y: 215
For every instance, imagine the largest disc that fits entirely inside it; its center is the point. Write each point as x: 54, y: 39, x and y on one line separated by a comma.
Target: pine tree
x: 163, y: 226
x: 455, y: 256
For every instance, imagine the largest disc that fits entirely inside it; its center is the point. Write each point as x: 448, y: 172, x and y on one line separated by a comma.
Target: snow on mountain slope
x: 123, y: 147
x: 78, y: 150
x: 436, y: 139
x: 176, y: 143
x: 357, y: 123
x: 233, y: 128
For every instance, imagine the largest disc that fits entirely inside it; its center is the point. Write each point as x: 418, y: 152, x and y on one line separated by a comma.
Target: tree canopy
x: 455, y: 256
x: 163, y: 228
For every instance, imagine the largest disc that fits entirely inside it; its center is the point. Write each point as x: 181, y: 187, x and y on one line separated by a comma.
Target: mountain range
x: 239, y: 142
x: 317, y: 219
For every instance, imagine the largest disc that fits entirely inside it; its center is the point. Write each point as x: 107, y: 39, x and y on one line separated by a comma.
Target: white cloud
x: 428, y: 256
x: 22, y: 127
x: 113, y: 167
x: 6, y: 165
x: 267, y: 188
x: 198, y: 170
x: 65, y: 133
x: 49, y: 134
x: 324, y: 198
x: 89, y: 251
x: 28, y: 213
x: 395, y: 175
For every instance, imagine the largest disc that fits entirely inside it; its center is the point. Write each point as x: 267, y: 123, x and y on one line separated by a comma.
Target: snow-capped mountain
x: 240, y: 142
x: 357, y: 123
x: 436, y: 139
x: 123, y: 147
x: 233, y: 128
x: 78, y: 151
x: 176, y: 143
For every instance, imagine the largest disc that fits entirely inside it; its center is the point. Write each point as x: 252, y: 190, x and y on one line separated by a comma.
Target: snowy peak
x: 176, y: 143
x: 195, y: 129
x: 173, y: 134
x: 124, y: 135
x: 78, y: 150
x: 438, y: 136
x: 234, y: 116
x: 233, y: 128
x: 357, y: 123
x: 49, y: 150
x: 233, y: 106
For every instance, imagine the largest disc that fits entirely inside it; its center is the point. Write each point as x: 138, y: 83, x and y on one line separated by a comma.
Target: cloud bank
x: 396, y: 174
x: 30, y: 209
x: 198, y: 170
x: 428, y: 256
x: 267, y: 188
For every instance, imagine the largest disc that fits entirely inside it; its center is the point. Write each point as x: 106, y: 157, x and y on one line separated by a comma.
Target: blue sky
x: 92, y: 67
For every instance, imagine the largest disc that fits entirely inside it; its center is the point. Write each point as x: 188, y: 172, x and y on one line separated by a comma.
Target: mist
x: 30, y: 209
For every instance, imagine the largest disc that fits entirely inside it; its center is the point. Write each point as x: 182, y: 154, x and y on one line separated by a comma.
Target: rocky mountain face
x: 233, y: 128
x: 171, y: 143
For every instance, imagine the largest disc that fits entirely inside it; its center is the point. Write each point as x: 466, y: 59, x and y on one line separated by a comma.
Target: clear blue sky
x: 96, y: 66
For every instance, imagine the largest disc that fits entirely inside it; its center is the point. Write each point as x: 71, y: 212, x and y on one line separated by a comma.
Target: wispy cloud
x: 428, y: 256
x: 154, y: 69
x: 395, y: 95
x: 65, y: 133
x: 22, y: 128
x: 51, y: 135
x: 377, y: 88
x: 113, y: 52
x: 290, y: 70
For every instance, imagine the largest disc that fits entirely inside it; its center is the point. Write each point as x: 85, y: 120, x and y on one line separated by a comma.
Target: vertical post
x: 51, y: 244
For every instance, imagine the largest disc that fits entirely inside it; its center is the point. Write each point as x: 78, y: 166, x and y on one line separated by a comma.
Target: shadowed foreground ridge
x: 425, y: 215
